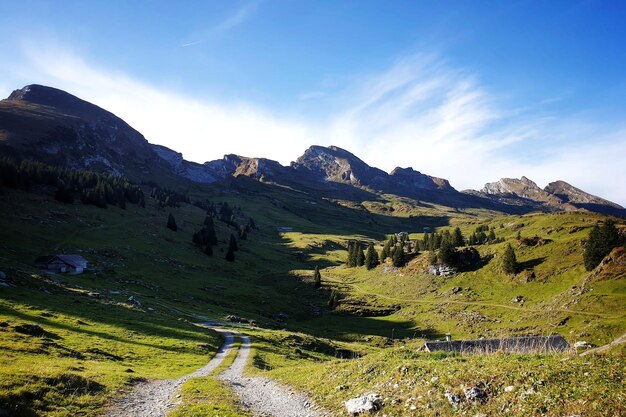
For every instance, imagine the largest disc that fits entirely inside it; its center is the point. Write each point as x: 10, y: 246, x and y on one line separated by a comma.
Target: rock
x: 2, y: 275
x: 366, y: 404
x: 475, y: 395
x: 519, y: 299
x: 510, y: 388
x: 441, y: 270
x: 453, y: 399
x: 582, y: 345
x: 30, y: 329
x: 134, y: 301
x: 341, y: 387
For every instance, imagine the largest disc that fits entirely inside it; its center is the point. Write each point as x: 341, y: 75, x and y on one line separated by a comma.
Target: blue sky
x: 469, y: 91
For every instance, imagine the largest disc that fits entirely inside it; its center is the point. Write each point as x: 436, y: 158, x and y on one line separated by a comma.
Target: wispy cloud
x: 230, y: 22
x: 420, y: 112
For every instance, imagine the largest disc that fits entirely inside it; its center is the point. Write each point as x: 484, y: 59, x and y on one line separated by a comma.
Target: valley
x: 77, y: 344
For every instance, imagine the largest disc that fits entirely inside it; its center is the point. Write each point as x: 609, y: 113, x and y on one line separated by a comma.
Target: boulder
x: 582, y: 345
x: 453, y: 399
x: 2, y: 275
x: 366, y: 404
x: 475, y: 394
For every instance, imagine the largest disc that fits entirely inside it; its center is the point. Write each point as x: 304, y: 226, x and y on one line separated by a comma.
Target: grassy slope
x: 131, y: 251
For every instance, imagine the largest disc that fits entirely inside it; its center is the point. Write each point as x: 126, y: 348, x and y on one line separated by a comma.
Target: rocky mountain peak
x: 576, y: 196
x: 61, y: 101
x: 408, y: 177
x: 337, y: 165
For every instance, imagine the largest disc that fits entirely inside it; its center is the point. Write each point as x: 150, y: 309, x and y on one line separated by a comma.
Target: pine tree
x: 371, y: 257
x: 509, y: 261
x: 360, y: 256
x: 457, y: 238
x: 208, y: 250
x: 230, y: 255
x: 171, y: 223
x: 398, y: 256
x: 232, y: 243
x: 447, y: 254
x: 317, y: 277
x: 600, y: 243
x: 350, y: 260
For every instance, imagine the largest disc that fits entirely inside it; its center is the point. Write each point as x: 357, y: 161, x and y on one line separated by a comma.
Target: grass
x: 415, y: 383
x: 208, y: 396
x: 97, y: 342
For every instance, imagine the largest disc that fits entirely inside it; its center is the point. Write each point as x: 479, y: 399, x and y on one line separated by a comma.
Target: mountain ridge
x: 51, y: 125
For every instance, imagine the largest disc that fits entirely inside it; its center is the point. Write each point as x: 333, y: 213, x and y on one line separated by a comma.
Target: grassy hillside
x: 96, y: 340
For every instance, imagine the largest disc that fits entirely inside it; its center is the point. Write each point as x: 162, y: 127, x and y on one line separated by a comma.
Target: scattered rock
x: 475, y: 394
x: 453, y: 399
x: 510, y: 388
x: 582, y: 345
x: 441, y: 270
x: 30, y: 329
x: 134, y: 301
x: 366, y: 404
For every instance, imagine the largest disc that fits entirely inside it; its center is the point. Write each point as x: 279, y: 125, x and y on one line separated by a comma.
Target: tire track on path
x: 156, y: 398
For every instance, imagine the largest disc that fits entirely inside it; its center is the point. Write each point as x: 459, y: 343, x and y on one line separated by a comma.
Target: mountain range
x: 53, y: 126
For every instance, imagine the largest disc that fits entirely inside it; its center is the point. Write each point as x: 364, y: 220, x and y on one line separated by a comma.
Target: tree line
x: 90, y: 187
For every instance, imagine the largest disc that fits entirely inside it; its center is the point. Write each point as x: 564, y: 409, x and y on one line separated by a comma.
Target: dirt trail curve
x: 621, y: 339
x: 263, y: 396
x: 155, y: 398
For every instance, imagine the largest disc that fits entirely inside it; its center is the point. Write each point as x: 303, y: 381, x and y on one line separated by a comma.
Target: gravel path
x: 619, y: 340
x: 264, y: 397
x: 156, y: 398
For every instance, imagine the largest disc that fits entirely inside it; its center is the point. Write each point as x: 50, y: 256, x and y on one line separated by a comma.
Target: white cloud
x: 418, y: 113
x: 230, y: 22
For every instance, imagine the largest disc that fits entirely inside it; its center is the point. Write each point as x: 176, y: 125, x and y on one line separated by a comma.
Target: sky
x: 471, y: 91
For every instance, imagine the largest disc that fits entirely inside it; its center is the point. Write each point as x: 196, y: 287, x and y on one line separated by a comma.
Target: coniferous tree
x: 509, y: 261
x: 350, y: 259
x: 600, y: 243
x: 360, y: 256
x: 232, y: 243
x: 398, y: 256
x: 457, y: 239
x: 317, y: 277
x: 230, y: 255
x: 492, y: 236
x: 208, y: 250
x: 446, y: 254
x: 371, y: 257
x: 171, y: 223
